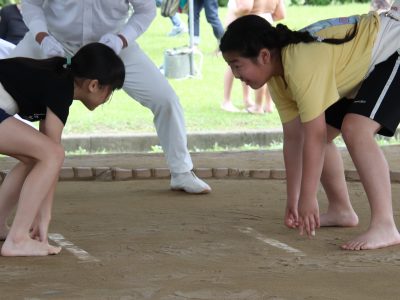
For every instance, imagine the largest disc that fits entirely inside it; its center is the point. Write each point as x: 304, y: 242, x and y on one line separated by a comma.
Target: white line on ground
x: 275, y: 243
x: 67, y: 245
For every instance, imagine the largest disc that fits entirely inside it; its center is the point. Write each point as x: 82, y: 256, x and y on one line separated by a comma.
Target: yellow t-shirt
x: 319, y: 74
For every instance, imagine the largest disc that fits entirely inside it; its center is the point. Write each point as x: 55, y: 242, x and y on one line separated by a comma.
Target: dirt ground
x: 139, y: 240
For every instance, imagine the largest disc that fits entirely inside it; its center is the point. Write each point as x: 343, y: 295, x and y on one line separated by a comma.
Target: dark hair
x: 98, y: 61
x: 249, y: 34
x: 92, y: 61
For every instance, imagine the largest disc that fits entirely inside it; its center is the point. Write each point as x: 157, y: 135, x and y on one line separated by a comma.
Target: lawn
x: 200, y: 97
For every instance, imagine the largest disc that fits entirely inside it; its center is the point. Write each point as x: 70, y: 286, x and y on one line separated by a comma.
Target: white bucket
x: 177, y: 64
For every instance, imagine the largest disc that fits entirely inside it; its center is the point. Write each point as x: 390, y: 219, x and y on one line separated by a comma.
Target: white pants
x: 144, y: 83
x: 5, y: 48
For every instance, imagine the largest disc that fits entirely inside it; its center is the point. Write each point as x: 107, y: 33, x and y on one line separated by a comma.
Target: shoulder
x: 302, y: 58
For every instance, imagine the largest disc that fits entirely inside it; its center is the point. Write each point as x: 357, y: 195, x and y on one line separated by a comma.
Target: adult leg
x: 197, y: 7
x: 246, y: 92
x: 370, y: 162
x: 260, y: 94
x: 228, y: 84
x: 340, y: 211
x: 22, y: 140
x: 269, y: 106
x: 154, y: 92
x: 177, y: 27
x: 211, y: 10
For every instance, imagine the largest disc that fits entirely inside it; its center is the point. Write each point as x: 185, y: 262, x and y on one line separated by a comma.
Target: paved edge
x: 120, y: 174
x: 140, y: 143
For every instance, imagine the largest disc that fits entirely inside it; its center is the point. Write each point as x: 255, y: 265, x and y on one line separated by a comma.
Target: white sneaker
x: 177, y: 30
x: 394, y: 11
x: 189, y: 183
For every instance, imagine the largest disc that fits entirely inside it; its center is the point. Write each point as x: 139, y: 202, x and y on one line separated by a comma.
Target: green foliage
x: 326, y: 2
x: 318, y: 2
x: 223, y: 3
x: 5, y: 2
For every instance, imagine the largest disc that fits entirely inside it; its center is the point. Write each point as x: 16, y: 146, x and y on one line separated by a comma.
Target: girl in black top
x: 43, y: 90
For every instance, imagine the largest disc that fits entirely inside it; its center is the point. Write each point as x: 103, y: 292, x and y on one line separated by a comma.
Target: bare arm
x: 313, y: 159
x: 292, y: 152
x: 51, y: 127
x: 280, y: 11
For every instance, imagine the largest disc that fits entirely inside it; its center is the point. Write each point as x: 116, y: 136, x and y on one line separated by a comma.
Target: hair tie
x: 69, y: 60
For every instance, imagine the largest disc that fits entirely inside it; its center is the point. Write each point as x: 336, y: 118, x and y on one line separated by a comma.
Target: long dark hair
x: 249, y: 34
x: 92, y: 61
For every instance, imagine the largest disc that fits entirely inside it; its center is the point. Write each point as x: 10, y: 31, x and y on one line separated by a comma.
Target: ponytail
x: 249, y: 34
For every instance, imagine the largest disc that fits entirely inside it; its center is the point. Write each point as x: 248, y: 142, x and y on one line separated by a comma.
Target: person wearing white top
x: 61, y: 27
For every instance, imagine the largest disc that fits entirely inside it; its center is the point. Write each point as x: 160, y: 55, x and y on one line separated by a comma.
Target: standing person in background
x: 271, y: 10
x: 211, y: 11
x: 61, y: 27
x: 177, y: 26
x: 12, y: 26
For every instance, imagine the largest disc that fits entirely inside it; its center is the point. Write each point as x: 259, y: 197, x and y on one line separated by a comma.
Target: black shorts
x: 3, y: 115
x: 378, y: 98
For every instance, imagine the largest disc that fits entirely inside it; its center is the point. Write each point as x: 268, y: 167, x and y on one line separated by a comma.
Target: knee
x: 166, y: 103
x: 54, y: 155
x: 348, y: 131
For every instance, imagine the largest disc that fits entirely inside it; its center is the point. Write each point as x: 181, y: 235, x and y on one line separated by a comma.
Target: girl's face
x: 96, y: 95
x: 253, y: 72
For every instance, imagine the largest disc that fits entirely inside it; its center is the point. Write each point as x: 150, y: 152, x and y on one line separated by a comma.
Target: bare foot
x: 25, y: 247
x: 340, y: 219
x: 3, y: 232
x: 229, y: 107
x: 53, y: 249
x: 255, y: 110
x: 269, y: 108
x: 374, y: 238
x: 248, y: 103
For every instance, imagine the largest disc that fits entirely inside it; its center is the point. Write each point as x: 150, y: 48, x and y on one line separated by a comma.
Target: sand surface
x: 139, y: 240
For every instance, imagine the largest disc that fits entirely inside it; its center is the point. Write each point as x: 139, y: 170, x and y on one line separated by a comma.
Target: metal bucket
x: 177, y: 63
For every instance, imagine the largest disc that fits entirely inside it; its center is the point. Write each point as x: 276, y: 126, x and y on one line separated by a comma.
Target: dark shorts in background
x: 378, y: 98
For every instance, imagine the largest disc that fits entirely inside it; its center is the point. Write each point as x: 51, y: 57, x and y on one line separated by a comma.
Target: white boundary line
x: 67, y: 245
x: 274, y: 243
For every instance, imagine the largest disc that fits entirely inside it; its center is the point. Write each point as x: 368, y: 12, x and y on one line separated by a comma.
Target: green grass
x: 201, y: 97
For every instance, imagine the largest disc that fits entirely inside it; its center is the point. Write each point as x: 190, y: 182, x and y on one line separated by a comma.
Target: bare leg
x: 340, y: 212
x: 359, y: 132
x: 228, y: 84
x: 258, y: 107
x: 9, y: 194
x: 22, y: 140
x: 246, y: 96
x: 269, y: 106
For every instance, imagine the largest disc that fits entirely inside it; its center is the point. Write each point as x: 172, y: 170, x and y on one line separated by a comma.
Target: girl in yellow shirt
x: 338, y: 76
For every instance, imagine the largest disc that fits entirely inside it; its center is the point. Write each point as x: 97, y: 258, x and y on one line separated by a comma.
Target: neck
x: 278, y: 66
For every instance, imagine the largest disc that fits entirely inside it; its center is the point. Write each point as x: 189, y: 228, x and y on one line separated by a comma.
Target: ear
x: 93, y: 85
x: 265, y: 56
